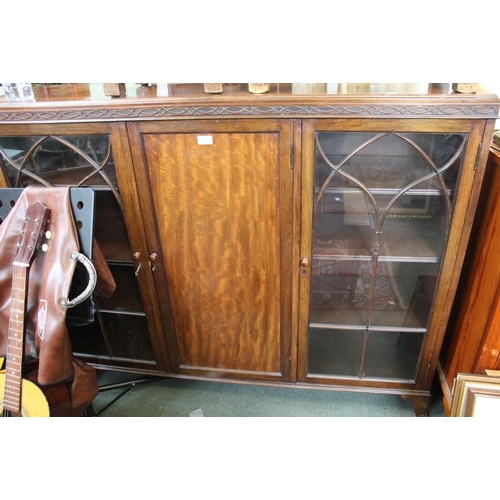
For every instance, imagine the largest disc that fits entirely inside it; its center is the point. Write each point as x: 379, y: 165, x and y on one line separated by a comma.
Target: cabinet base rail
x: 419, y: 399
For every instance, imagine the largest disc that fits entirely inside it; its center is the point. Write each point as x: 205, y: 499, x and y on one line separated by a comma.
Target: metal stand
x: 127, y: 385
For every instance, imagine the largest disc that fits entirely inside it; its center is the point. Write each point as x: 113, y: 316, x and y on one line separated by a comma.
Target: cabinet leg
x: 420, y: 404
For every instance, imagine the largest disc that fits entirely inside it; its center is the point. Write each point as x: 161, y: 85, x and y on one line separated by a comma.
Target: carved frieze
x: 145, y: 112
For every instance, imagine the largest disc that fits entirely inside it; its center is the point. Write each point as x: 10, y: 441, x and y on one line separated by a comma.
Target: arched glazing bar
x: 98, y: 168
x: 20, y: 168
x: 338, y: 169
x: 436, y: 173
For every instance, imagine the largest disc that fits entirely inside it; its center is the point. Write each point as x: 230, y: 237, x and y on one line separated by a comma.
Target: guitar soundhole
x: 9, y: 413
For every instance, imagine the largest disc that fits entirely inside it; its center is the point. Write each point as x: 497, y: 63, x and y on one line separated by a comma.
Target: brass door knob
x: 304, y: 262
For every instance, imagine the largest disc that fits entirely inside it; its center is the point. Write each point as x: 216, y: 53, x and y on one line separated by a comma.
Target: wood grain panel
x: 217, y: 217
x: 472, y: 344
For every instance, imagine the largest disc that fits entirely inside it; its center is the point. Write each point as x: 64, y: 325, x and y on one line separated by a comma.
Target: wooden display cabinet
x: 472, y: 342
x: 305, y: 240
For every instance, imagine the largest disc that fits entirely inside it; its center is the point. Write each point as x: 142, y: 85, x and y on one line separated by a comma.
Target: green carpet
x: 179, y: 398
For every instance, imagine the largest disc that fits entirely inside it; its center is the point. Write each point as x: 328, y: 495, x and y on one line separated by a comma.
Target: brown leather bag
x: 50, y: 278
x: 84, y: 387
x: 106, y: 285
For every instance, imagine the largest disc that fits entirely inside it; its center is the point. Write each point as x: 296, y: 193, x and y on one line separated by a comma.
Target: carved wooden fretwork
x: 28, y: 168
x: 118, y: 113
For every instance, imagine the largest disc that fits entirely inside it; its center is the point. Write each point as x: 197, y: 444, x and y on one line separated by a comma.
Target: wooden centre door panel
x: 222, y: 199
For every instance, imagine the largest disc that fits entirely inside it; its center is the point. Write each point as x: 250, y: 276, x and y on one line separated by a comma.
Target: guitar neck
x: 15, y: 339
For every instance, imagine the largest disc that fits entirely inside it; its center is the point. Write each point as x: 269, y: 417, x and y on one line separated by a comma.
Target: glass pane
x: 54, y: 161
x: 340, y: 292
x: 401, y: 298
x: 388, y: 354
x: 392, y: 354
x: 126, y: 297
x: 343, y: 293
x: 382, y: 208
x: 335, y: 352
x: 125, y: 337
x: 415, y: 227
x: 110, y: 231
x: 343, y: 224
x: 387, y: 160
x: 88, y: 340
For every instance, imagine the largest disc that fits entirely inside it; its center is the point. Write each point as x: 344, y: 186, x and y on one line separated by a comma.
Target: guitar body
x: 33, y: 401
x: 46, y: 401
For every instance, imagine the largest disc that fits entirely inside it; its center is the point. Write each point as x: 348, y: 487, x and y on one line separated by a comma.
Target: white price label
x: 205, y: 140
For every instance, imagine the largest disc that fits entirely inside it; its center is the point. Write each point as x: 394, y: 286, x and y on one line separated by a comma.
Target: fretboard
x: 15, y: 339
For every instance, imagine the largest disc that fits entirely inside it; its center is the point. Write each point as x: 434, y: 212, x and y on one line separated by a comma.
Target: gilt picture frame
x: 475, y: 396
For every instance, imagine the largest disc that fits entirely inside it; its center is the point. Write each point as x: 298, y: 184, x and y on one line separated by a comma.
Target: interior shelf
x: 402, y: 295
x: 114, y: 336
x: 403, y: 239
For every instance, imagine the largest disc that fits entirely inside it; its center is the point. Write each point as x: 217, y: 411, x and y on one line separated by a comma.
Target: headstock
x: 31, y: 234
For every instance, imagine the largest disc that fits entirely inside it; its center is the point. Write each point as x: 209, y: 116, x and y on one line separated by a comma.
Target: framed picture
x: 476, y: 396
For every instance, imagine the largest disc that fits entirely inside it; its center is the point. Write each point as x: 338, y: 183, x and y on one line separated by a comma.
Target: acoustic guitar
x: 18, y: 396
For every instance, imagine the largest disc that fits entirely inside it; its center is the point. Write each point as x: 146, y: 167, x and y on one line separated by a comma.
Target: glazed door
x: 115, y: 332
x: 220, y: 198
x: 382, y: 221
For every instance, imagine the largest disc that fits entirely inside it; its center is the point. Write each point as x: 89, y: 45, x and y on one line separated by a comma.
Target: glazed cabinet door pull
x: 152, y: 261
x: 304, y: 264
x: 138, y: 269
